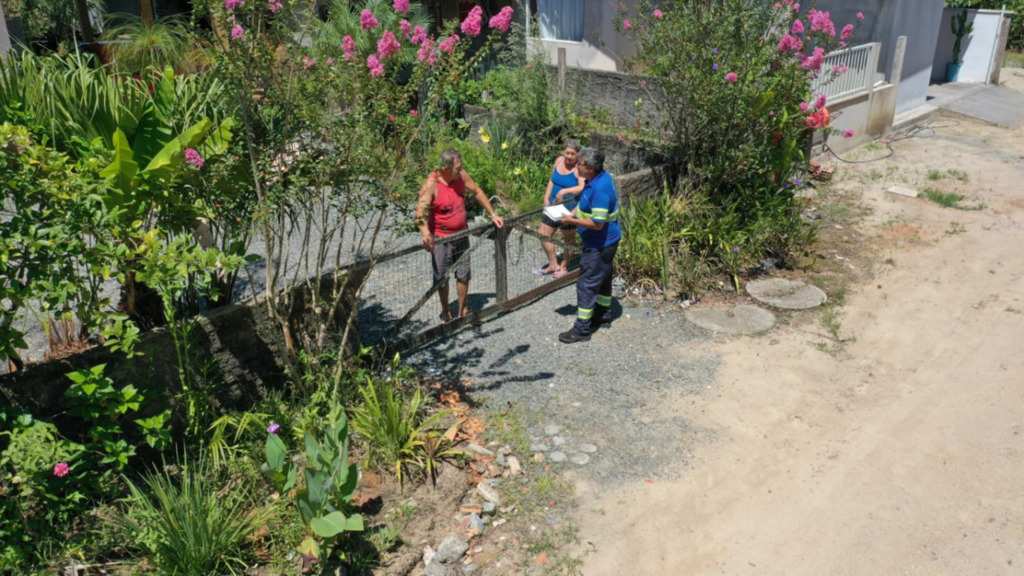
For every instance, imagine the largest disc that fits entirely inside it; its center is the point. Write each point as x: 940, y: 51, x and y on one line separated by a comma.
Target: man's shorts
x: 557, y: 225
x: 446, y: 254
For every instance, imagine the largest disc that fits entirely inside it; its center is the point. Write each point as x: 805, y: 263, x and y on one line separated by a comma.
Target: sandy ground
x: 901, y: 453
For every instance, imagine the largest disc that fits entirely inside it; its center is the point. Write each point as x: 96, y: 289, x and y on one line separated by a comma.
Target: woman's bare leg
x: 548, y: 246
x: 569, y: 236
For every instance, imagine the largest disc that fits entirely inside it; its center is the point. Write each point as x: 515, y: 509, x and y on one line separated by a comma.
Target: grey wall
x: 884, y: 22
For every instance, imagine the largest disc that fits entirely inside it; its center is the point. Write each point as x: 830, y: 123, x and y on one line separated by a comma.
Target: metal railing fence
x: 857, y: 64
x: 399, y: 307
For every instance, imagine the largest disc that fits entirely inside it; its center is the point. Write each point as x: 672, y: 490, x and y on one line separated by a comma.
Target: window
x: 561, y: 19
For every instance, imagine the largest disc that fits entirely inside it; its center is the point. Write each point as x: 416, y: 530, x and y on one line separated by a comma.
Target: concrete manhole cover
x: 787, y: 294
x: 743, y: 319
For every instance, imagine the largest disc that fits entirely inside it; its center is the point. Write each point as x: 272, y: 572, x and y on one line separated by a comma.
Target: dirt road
x: 900, y: 453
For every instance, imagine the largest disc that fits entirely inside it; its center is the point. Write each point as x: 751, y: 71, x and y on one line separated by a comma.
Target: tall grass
x: 193, y: 521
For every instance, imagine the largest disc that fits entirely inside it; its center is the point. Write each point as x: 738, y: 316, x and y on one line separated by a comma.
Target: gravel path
x: 608, y: 393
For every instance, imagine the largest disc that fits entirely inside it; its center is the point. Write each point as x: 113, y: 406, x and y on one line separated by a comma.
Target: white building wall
x: 976, y: 49
x: 602, y: 48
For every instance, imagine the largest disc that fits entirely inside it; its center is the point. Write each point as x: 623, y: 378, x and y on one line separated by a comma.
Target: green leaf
x: 276, y: 452
x: 315, y: 488
x: 123, y: 168
x: 354, y: 523
x: 309, y: 547
x: 331, y: 525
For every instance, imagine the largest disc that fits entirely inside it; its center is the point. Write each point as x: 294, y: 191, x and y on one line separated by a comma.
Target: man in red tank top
x: 441, y: 212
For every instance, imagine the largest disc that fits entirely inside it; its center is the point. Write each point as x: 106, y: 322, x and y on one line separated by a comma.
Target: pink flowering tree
x: 337, y: 117
x: 730, y: 85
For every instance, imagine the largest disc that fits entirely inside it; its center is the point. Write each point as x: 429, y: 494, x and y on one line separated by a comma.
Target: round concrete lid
x: 787, y: 294
x: 742, y: 319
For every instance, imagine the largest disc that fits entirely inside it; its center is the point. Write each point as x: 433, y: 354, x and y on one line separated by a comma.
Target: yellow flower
x: 518, y: 171
x: 485, y: 137
x: 504, y: 145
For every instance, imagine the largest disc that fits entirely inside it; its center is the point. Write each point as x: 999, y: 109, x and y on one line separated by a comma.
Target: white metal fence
x: 857, y: 65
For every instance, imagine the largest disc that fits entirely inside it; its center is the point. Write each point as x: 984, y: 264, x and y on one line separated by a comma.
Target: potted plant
x: 960, y: 27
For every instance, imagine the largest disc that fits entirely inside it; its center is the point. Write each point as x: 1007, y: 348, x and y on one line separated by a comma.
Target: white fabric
x: 561, y: 19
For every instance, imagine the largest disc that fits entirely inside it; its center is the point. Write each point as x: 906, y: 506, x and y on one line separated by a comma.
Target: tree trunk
x: 146, y: 11
x: 83, y: 21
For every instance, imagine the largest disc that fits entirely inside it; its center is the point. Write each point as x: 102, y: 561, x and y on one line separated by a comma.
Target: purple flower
x: 367, y: 21
x: 401, y: 6
x: 61, y: 469
x: 193, y: 159
x: 715, y: 51
x: 237, y: 32
x: 502, y: 20
x: 714, y: 67
x: 657, y: 14
x: 736, y: 250
x: 273, y: 428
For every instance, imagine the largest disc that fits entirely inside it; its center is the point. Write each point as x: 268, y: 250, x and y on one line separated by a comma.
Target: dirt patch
x: 885, y: 439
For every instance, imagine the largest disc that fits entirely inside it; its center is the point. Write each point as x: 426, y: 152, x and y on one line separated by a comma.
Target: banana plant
x: 330, y: 483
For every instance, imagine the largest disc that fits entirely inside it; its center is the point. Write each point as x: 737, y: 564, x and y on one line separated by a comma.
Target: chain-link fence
x: 399, y: 307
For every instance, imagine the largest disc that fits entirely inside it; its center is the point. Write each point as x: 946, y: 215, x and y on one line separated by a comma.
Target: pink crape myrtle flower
x: 860, y: 15
x: 348, y: 47
x: 658, y: 13
x: 406, y: 28
x: 798, y: 27
x: 502, y: 20
x: 414, y: 112
x: 232, y: 5
x: 821, y: 21
x: 330, y: 61
x: 731, y: 77
x: 790, y: 43
x: 61, y: 469
x: 820, y: 101
x: 275, y: 5
x: 426, y: 52
x: 626, y: 25
x: 375, y: 66
x: 401, y: 6
x: 804, y: 106
x: 848, y: 133
x: 387, y: 45
x: 193, y: 159
x: 367, y: 21
x: 307, y: 62
x: 814, y: 61
x: 237, y: 32
x: 847, y: 31
x: 471, y: 25
x: 448, y: 44
x: 418, y: 35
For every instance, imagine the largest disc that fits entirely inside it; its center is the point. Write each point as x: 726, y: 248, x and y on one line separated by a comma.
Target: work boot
x: 572, y: 337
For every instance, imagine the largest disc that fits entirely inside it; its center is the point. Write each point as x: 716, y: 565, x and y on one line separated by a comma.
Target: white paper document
x: 556, y: 212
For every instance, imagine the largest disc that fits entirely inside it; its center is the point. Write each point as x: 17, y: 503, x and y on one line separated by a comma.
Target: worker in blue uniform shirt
x: 597, y: 218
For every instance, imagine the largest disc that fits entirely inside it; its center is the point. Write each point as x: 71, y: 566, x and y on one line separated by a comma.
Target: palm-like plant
x: 136, y: 45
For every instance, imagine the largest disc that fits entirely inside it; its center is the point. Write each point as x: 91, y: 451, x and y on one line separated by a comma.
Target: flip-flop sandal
x: 559, y: 273
x: 543, y: 271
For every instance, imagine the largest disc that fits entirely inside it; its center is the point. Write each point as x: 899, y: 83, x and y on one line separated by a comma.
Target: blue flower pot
x: 952, y: 71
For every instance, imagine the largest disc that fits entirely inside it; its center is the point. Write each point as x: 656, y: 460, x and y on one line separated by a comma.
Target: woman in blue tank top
x: 564, y: 186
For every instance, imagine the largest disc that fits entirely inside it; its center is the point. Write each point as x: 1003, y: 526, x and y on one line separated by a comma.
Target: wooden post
x: 146, y: 11
x: 83, y: 21
x: 501, y: 264
x: 5, y: 38
x: 561, y: 68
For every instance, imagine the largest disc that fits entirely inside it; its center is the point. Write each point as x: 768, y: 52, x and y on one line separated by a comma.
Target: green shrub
x: 392, y: 423
x: 191, y: 519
